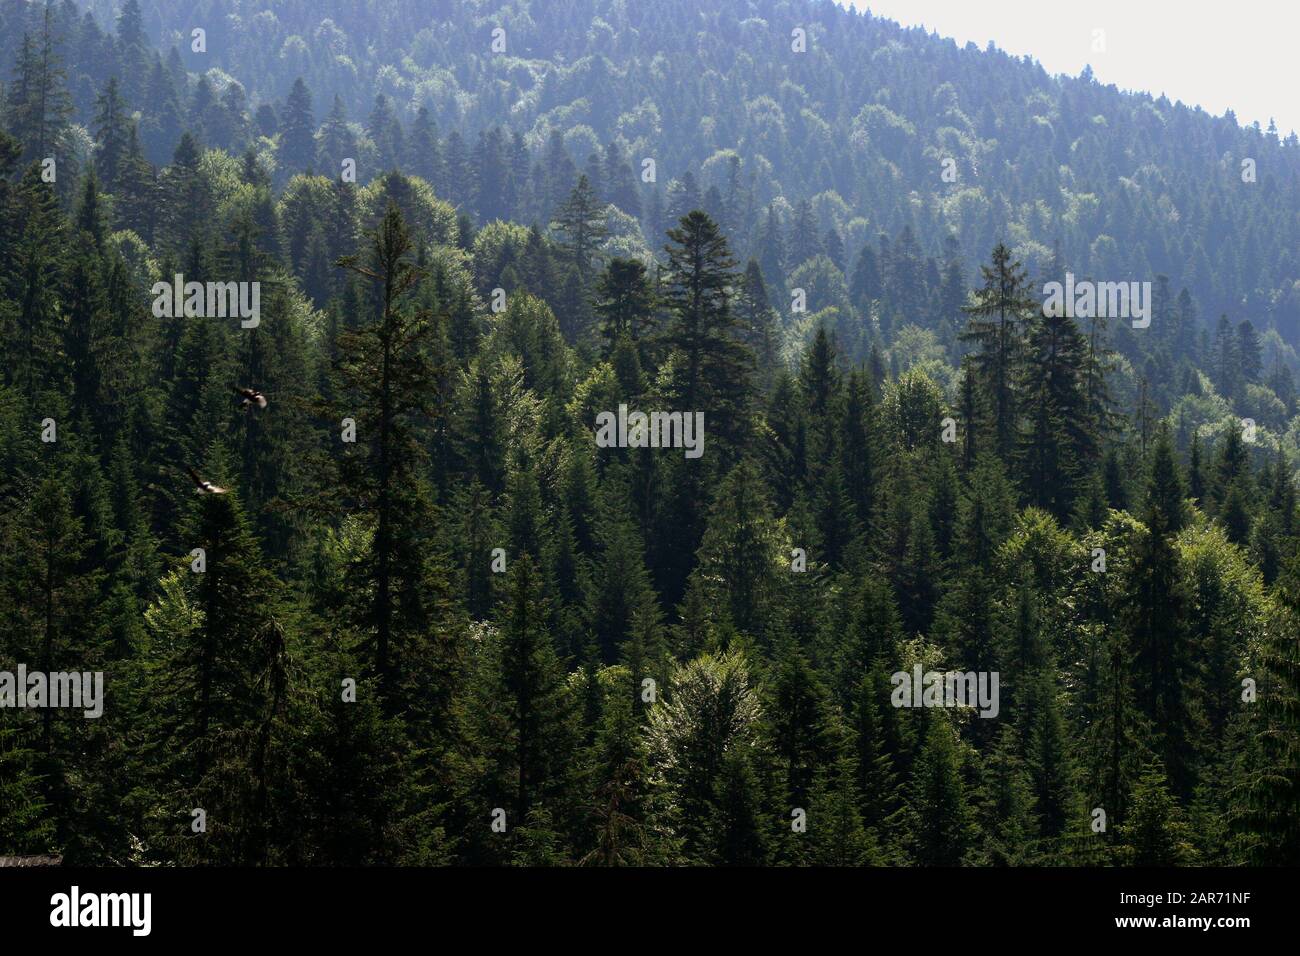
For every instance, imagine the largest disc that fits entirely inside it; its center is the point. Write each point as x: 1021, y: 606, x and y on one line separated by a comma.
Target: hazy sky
x: 1218, y: 55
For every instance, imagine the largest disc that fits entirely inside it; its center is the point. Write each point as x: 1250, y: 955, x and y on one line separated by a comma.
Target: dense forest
x: 366, y: 585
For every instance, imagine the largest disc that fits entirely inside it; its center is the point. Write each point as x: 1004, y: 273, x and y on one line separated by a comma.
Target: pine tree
x: 1059, y: 444
x: 804, y: 241
x: 1226, y: 360
x: 55, y: 625
x: 1048, y: 764
x: 620, y: 183
x: 112, y: 131
x: 33, y: 273
x: 619, y: 584
x: 1156, y: 834
x: 1008, y: 808
x: 1232, y: 467
x: 803, y: 735
x: 538, y: 706
x: 1265, y: 808
x: 162, y: 125
x: 218, y: 673
x: 387, y: 389
x: 298, y: 130
x: 624, y: 302
x: 1155, y: 613
x: 762, y: 331
x: 25, y: 825
x: 771, y: 249
x: 337, y: 141
x: 187, y: 200
x: 880, y: 758
x: 865, y: 286
x: 39, y: 106
x: 1248, y: 355
x: 940, y: 804
x: 424, y: 154
x: 580, y: 227
x: 354, y: 777
x: 480, y: 429
x: 711, y: 711
x: 1115, y: 744
x: 386, y: 133
x: 623, y: 805
x: 84, y: 334
x: 135, y: 188
x: 969, y: 407
x: 133, y: 53
x: 714, y: 375
x: 1165, y: 508
x: 740, y: 554
x: 997, y: 314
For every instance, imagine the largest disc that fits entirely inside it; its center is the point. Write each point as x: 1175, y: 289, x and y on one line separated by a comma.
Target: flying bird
x: 204, y: 487
x: 251, y: 397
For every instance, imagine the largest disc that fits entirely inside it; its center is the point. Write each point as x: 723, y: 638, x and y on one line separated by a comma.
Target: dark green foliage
x: 470, y: 635
x: 1001, y: 307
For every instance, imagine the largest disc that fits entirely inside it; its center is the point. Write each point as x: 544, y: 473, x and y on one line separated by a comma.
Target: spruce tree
x: 580, y: 228
x: 997, y: 316
x: 624, y: 302
x: 298, y: 130
x: 715, y: 366
x: 1059, y: 443
x: 940, y: 809
x: 112, y: 129
x: 387, y: 390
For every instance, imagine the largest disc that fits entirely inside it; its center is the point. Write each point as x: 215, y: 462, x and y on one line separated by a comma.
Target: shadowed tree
x: 387, y: 389
x: 997, y: 315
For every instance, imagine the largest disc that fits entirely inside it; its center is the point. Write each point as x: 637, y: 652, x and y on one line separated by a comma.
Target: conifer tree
x: 580, y: 227
x: 539, y: 704
x: 297, y: 130
x: 1155, y: 834
x: 1058, y: 445
x: 1155, y: 612
x: 32, y: 276
x: 760, y: 324
x: 337, y: 142
x: 112, y: 129
x: 625, y: 302
x: 997, y: 315
x: 1010, y: 826
x: 387, y: 390
x: 39, y: 106
x: 715, y: 370
x: 619, y: 584
x: 1265, y: 811
x: 711, y: 709
x: 740, y: 553
x: 940, y: 807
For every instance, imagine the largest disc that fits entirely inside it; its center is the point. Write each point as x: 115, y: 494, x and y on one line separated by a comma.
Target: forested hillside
x: 372, y: 578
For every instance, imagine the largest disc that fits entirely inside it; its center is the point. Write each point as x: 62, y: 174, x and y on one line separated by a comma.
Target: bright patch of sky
x: 1216, y: 55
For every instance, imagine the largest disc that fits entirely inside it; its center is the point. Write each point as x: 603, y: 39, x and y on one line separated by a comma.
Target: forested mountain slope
x: 369, y: 581
x: 859, y: 125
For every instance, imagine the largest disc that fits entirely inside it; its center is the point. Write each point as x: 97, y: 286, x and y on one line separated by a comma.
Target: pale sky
x: 1216, y: 55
